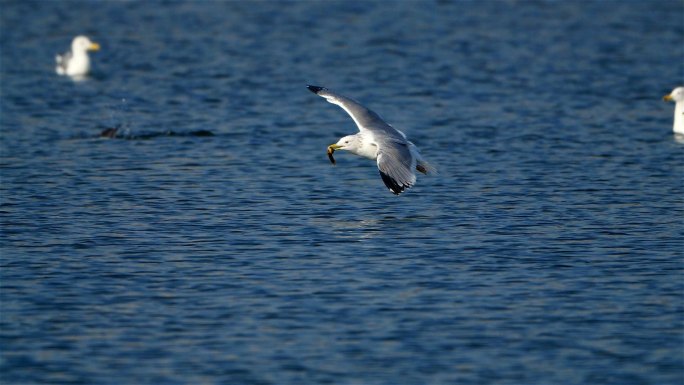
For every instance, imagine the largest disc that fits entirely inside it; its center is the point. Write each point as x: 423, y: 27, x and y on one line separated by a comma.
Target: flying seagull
x: 397, y: 157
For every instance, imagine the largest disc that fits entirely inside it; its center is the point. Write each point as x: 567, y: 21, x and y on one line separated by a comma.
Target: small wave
x: 118, y: 133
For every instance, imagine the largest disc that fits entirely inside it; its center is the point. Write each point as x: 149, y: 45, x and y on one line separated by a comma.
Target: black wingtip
x: 315, y: 89
x: 392, y: 185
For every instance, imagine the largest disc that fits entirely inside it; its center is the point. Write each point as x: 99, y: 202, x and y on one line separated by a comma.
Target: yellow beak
x: 94, y: 47
x: 332, y: 149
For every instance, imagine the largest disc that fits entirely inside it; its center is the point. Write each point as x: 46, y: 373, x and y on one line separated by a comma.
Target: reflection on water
x: 355, y: 229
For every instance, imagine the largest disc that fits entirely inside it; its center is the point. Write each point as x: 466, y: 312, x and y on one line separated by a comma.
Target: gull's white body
x: 76, y: 62
x: 397, y: 158
x: 677, y: 96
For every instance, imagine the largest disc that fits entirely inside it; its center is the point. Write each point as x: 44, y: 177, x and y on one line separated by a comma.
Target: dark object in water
x: 113, y: 132
x: 330, y: 154
x: 109, y: 132
x: 174, y: 133
x: 201, y: 133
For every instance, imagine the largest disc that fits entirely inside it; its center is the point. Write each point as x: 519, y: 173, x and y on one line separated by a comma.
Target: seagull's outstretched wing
x: 364, y: 118
x: 396, y: 164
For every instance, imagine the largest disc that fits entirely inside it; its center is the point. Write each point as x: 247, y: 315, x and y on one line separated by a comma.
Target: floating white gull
x: 677, y: 95
x: 397, y: 157
x: 76, y: 62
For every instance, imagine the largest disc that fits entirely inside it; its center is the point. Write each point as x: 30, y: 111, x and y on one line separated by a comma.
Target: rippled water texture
x: 211, y: 241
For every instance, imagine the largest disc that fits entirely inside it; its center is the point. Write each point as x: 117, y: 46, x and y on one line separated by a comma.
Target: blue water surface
x: 548, y: 249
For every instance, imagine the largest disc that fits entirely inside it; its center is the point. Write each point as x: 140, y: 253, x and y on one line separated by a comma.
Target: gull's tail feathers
x: 426, y: 168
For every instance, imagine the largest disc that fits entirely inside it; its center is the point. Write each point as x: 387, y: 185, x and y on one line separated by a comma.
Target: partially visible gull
x: 397, y: 158
x: 677, y: 96
x: 76, y: 62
